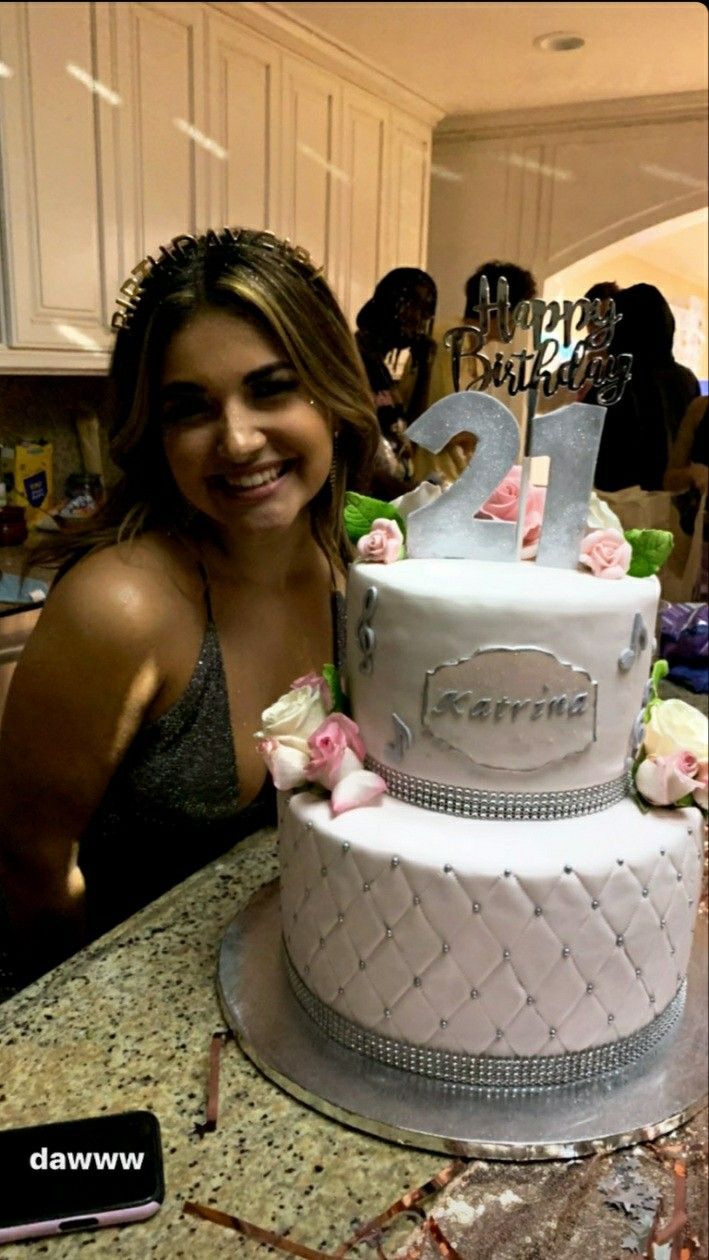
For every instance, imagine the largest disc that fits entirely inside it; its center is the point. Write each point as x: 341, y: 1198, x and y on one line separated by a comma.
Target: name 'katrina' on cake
x: 512, y: 903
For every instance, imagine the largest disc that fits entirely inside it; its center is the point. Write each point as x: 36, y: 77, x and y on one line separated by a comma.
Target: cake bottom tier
x: 447, y: 946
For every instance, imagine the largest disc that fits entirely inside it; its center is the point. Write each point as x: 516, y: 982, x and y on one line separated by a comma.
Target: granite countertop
x: 127, y: 1024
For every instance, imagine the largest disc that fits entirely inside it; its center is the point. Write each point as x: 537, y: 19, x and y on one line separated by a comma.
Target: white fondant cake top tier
x: 507, y: 678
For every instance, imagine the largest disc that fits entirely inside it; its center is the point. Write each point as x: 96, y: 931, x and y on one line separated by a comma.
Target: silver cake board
x: 654, y: 1096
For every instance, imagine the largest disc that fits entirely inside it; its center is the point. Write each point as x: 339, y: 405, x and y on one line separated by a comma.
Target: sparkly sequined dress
x: 173, y: 804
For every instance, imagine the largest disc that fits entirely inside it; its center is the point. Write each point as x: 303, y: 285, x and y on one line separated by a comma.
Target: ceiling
x: 479, y: 58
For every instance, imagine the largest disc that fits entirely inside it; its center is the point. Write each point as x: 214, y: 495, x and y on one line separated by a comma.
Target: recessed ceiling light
x: 559, y: 41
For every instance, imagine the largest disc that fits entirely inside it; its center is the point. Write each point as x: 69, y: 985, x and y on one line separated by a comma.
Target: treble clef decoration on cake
x: 638, y: 643
x: 365, y: 634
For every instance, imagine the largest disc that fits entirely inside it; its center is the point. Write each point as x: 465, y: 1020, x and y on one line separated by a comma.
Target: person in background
x: 603, y: 289
x: 207, y: 582
x: 522, y: 288
x: 396, y: 348
x: 687, y: 479
x: 689, y: 453
x: 562, y: 396
x: 640, y: 428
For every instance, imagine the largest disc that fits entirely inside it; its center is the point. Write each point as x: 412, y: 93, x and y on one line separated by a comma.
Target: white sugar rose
x: 410, y: 502
x: 293, y: 718
x: 676, y: 727
x: 601, y: 516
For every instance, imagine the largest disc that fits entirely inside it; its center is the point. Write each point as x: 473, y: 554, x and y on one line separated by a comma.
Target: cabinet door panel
x: 411, y: 167
x: 366, y: 160
x: 312, y: 176
x: 244, y: 103
x: 163, y: 145
x: 53, y: 267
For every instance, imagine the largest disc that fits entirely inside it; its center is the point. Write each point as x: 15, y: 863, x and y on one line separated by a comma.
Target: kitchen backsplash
x: 33, y: 407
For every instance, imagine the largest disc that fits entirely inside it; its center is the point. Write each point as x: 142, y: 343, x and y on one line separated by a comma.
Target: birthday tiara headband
x: 183, y: 247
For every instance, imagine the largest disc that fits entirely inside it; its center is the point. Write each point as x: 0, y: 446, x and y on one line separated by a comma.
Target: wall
x: 547, y: 190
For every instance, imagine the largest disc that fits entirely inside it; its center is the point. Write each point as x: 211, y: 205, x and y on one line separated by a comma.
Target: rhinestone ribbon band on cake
x: 487, y: 1071
x: 447, y: 798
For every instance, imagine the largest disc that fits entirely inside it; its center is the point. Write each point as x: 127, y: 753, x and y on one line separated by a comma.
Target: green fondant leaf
x: 641, y: 803
x: 332, y: 678
x: 659, y: 671
x: 361, y: 511
x: 650, y: 548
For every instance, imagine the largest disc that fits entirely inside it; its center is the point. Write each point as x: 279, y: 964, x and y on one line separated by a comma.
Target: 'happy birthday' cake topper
x: 451, y: 526
x: 590, y: 360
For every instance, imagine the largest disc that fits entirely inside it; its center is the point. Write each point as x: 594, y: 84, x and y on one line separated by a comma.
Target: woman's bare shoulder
x: 136, y: 588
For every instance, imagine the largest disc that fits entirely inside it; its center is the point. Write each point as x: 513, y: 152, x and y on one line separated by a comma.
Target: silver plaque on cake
x: 511, y: 708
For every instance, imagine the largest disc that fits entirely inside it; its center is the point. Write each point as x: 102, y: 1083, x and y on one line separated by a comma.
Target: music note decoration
x: 639, y: 640
x: 402, y: 741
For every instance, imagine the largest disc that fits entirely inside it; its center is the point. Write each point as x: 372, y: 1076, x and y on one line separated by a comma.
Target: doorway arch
x: 672, y: 254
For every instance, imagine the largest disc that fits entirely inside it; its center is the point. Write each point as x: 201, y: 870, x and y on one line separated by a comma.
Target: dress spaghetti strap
x: 207, y: 597
x: 339, y: 628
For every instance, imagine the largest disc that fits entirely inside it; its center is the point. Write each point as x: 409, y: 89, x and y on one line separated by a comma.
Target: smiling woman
x: 209, y: 580
x: 239, y: 432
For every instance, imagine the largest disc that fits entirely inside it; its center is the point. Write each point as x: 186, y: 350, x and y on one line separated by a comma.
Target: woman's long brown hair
x: 258, y: 277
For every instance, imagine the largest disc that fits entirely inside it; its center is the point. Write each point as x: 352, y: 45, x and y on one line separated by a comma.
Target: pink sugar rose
x: 686, y: 763
x: 701, y: 785
x: 383, y: 544
x: 336, y: 749
x: 606, y: 553
x: 359, y: 787
x: 503, y: 505
x: 286, y: 764
x: 665, y: 780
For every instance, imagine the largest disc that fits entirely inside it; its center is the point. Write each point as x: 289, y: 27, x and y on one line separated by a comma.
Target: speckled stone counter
x: 127, y: 1024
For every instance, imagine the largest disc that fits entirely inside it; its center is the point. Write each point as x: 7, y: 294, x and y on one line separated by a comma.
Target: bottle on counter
x: 13, y: 526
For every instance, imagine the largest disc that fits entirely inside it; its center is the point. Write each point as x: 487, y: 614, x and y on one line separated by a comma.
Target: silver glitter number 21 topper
x: 569, y: 436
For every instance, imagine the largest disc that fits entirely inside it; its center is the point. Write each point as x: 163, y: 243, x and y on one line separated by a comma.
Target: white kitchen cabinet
x: 53, y: 229
x: 104, y: 159
x: 158, y: 52
x: 364, y: 197
x: 126, y: 123
x: 243, y: 127
x: 409, y: 198
x: 312, y: 175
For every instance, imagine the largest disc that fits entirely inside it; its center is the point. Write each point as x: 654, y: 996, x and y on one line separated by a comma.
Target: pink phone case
x: 66, y: 1225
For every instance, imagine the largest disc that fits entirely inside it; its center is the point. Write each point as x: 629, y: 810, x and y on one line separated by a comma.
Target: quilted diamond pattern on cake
x: 557, y: 991
x: 397, y: 945
x: 391, y: 894
x: 529, y: 1027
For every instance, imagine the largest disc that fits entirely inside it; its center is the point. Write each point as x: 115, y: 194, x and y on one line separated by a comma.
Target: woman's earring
x: 333, y: 465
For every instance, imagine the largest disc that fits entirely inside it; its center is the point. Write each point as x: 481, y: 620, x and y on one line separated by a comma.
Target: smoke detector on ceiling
x: 559, y: 41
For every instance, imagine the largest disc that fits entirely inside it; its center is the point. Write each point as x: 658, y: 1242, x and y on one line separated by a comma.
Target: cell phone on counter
x: 80, y: 1174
